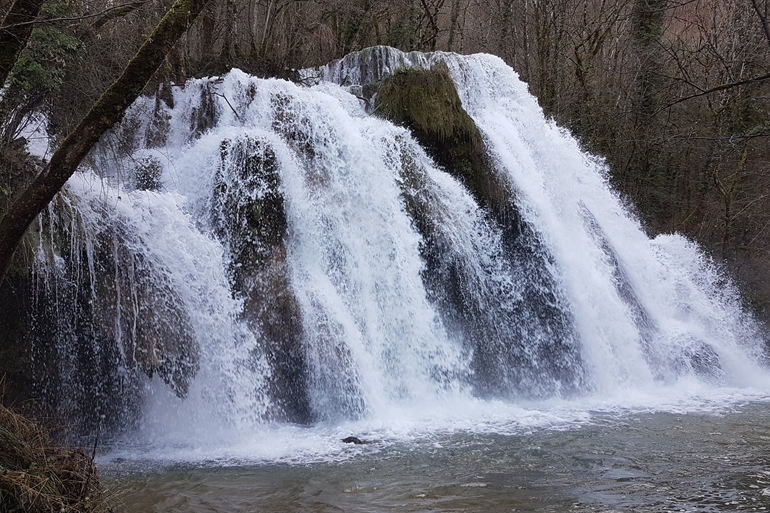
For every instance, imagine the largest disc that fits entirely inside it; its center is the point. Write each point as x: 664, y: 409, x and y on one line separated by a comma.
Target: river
x: 622, y: 461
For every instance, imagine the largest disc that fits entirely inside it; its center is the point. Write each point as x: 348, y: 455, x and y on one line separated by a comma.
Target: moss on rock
x: 426, y: 102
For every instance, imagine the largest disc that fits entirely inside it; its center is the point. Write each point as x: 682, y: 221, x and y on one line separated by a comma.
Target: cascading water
x: 638, y: 316
x: 329, y: 271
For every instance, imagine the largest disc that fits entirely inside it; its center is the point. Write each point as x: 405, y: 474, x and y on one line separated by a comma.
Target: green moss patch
x: 426, y: 102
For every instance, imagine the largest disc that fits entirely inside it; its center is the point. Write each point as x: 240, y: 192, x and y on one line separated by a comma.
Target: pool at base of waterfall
x: 619, y: 462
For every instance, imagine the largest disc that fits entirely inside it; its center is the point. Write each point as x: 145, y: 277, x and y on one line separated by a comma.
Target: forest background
x: 674, y: 94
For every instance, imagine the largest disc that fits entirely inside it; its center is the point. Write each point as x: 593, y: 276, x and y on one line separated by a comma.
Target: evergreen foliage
x: 39, y: 70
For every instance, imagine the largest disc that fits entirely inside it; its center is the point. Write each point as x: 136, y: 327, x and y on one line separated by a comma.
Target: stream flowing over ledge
x: 402, y: 239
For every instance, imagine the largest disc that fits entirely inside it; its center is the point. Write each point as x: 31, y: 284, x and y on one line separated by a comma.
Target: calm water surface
x: 633, y: 462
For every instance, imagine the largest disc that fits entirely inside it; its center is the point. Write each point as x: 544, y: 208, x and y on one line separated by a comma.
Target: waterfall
x: 644, y: 310
x: 302, y: 260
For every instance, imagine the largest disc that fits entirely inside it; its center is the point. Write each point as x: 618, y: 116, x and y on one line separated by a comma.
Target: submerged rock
x: 355, y: 440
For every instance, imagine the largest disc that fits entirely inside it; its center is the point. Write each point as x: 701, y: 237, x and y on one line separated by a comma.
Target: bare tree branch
x: 762, y: 18
x: 107, y: 111
x: 106, y: 15
x: 715, y: 89
x: 15, y: 32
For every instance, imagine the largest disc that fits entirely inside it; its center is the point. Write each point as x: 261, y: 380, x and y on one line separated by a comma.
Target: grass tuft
x: 39, y: 476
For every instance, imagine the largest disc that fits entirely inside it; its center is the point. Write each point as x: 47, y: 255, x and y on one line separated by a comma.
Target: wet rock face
x: 204, y: 116
x: 26, y: 350
x: 84, y: 316
x: 517, y: 328
x: 249, y: 217
x: 247, y: 206
x: 136, y: 305
x: 159, y: 125
x: 523, y: 344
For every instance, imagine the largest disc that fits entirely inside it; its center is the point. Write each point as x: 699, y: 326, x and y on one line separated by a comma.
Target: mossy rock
x: 426, y: 102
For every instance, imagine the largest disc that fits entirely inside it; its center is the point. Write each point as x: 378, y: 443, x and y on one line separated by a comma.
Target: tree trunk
x: 107, y: 111
x: 14, y: 33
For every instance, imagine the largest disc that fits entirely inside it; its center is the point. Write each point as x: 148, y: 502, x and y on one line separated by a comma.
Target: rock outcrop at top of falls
x: 426, y: 102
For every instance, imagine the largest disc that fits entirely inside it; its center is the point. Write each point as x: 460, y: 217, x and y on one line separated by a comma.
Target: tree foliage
x: 39, y: 71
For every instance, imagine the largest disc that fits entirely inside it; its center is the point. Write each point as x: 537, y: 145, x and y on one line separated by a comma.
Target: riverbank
x: 37, y: 475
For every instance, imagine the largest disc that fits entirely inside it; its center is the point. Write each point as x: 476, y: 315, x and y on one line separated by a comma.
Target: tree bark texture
x: 14, y: 33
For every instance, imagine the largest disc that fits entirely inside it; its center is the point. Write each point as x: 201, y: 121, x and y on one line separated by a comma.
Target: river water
x: 656, y: 461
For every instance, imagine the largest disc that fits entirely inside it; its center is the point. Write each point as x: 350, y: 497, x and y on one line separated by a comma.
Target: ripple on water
x: 636, y: 462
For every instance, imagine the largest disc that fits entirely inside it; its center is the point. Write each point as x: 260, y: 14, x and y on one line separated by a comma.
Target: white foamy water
x: 565, y: 193
x: 654, y: 324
